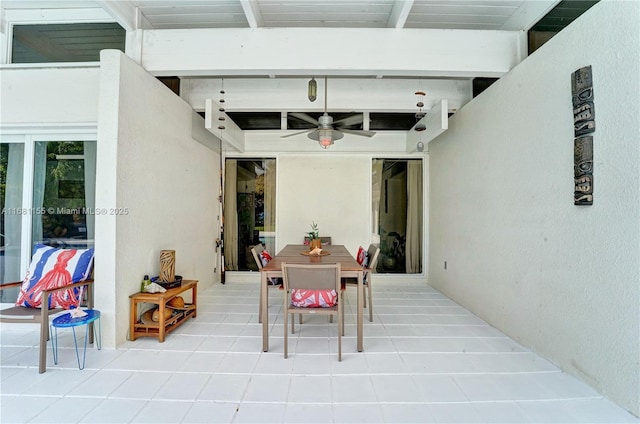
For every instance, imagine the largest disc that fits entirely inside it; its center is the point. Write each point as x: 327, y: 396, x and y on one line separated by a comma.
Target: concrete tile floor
x: 426, y: 360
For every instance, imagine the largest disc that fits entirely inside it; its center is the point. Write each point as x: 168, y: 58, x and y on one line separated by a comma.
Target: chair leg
x: 370, y: 302
x: 293, y: 320
x: 286, y: 335
x: 340, y: 330
x: 260, y: 307
x: 342, y: 300
x: 44, y: 336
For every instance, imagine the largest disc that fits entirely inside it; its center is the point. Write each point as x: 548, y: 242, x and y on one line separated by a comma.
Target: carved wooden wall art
x: 583, y: 170
x: 583, y: 123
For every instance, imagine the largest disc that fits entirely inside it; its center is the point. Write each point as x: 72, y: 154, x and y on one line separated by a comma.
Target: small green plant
x: 314, y: 233
x: 392, y: 244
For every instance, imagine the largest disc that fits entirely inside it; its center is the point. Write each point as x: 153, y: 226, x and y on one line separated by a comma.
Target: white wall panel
x: 49, y: 96
x: 561, y: 279
x: 343, y: 94
x: 333, y: 191
x: 168, y: 182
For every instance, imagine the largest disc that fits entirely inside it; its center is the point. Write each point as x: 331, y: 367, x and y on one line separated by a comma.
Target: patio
x: 426, y: 360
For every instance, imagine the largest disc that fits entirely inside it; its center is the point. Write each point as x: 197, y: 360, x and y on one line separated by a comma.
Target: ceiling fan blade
x: 357, y: 132
x: 296, y: 133
x: 304, y: 117
x: 349, y: 120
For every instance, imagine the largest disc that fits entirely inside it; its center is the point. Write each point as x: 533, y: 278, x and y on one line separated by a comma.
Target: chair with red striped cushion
x: 368, y: 259
x: 319, y: 286
x: 57, y: 279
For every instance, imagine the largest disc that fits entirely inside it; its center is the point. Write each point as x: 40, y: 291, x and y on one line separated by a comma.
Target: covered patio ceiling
x: 376, y: 54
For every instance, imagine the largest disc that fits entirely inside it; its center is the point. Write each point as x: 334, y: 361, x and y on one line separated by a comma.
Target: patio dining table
x: 298, y: 254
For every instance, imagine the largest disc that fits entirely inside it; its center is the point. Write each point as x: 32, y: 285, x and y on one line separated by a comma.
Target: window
x: 398, y: 214
x: 52, y: 43
x: 63, y: 193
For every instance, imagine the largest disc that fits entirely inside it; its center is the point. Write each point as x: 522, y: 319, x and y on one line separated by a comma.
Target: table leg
x: 264, y: 311
x: 98, y: 333
x: 84, y: 352
x: 161, y: 321
x: 194, y: 300
x: 262, y: 294
x: 133, y: 307
x: 360, y: 309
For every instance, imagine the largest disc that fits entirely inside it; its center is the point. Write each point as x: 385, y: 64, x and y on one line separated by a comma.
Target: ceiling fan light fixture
x: 325, y: 138
x: 325, y: 133
x: 312, y: 91
x: 325, y: 143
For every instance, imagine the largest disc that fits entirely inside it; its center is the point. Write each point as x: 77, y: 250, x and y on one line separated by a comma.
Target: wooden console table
x: 168, y: 318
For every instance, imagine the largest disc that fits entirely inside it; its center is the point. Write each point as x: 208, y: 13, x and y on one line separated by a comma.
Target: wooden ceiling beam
x: 124, y: 12
x: 343, y: 94
x: 330, y: 51
x: 252, y: 12
x: 399, y: 13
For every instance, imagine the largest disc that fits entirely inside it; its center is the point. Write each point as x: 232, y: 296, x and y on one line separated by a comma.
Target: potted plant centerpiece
x: 314, y: 237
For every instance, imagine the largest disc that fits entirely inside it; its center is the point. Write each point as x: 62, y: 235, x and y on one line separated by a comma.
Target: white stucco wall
x: 333, y: 191
x: 561, y: 279
x: 164, y: 182
x: 48, y: 96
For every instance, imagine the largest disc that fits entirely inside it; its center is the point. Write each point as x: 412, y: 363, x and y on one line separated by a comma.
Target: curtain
x: 376, y: 189
x: 270, y: 202
x: 39, y: 177
x: 413, y: 249
x: 230, y: 223
x: 12, y: 221
x: 90, y: 187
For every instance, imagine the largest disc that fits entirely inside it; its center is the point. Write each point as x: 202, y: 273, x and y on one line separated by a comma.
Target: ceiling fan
x: 327, y: 130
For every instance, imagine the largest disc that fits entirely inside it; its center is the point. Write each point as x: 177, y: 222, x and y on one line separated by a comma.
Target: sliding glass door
x: 11, y: 191
x: 249, y: 210
x: 47, y: 196
x: 397, y: 211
